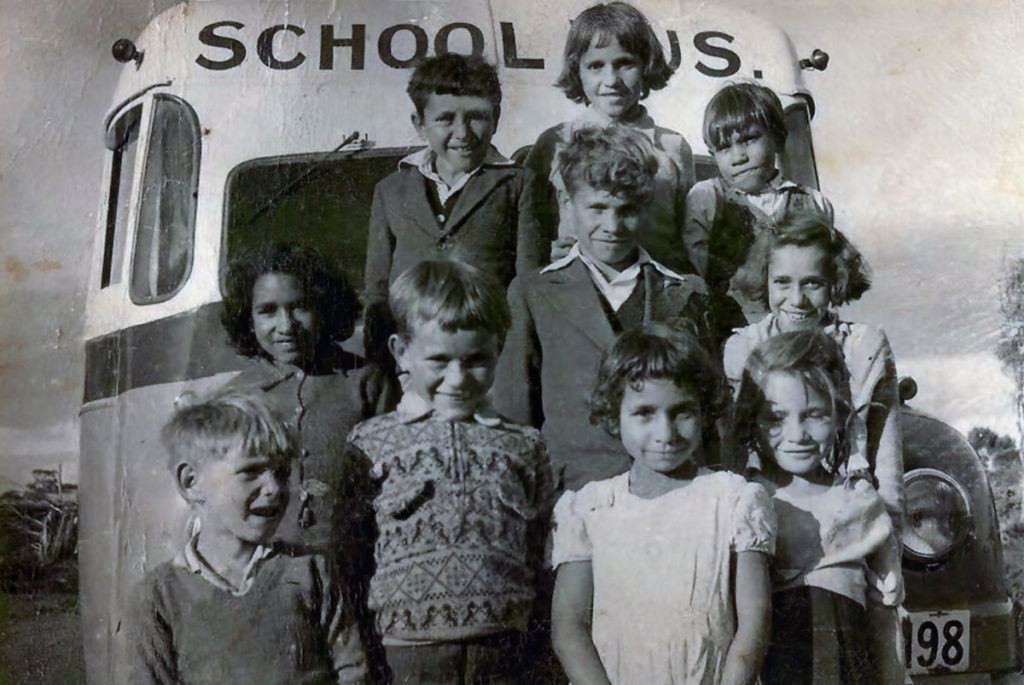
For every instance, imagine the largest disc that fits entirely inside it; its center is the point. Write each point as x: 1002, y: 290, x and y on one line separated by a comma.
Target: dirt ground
x: 40, y: 640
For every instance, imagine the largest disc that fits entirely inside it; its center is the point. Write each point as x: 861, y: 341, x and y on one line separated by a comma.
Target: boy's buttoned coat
x: 549, y: 364
x: 490, y: 224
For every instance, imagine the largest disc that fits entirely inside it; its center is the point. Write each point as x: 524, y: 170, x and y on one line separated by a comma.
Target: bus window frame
x: 149, y: 113
x: 118, y: 210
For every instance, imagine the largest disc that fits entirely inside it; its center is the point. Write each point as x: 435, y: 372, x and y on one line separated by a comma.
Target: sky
x: 917, y: 142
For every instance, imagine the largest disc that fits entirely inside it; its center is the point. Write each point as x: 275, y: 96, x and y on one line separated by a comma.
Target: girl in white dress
x: 836, y: 554
x: 662, y: 572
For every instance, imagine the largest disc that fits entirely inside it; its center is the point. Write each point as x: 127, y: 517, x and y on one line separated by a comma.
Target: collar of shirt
x: 196, y: 563
x: 618, y: 289
x: 423, y: 161
x: 413, y: 408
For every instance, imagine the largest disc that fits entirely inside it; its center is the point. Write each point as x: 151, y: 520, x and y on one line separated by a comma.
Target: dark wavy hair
x: 616, y: 158
x: 596, y: 26
x: 456, y: 295
x: 327, y: 290
x: 737, y: 107
x: 847, y: 269
x: 658, y: 351
x: 454, y: 74
x: 818, y: 361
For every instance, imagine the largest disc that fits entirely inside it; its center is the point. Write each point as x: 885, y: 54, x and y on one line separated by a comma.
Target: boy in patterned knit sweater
x: 462, y: 496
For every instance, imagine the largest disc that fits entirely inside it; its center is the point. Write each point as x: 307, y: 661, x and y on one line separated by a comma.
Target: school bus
x: 241, y: 121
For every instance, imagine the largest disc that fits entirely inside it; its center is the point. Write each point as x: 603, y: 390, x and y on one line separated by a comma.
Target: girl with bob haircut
x: 612, y: 61
x: 638, y: 597
x: 836, y: 571
x: 287, y: 310
x: 801, y: 273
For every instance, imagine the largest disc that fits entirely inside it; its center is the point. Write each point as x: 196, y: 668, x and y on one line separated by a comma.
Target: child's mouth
x: 265, y: 511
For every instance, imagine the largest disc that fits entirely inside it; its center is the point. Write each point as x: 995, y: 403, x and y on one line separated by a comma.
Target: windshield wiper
x: 310, y: 169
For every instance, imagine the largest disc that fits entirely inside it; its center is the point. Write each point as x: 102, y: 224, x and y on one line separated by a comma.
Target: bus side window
x: 123, y: 141
x: 167, y: 209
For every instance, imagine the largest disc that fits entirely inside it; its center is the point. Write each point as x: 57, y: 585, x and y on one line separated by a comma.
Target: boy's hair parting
x: 616, y: 159
x: 596, y: 26
x: 208, y: 429
x: 846, y: 267
x: 818, y: 361
x: 454, y: 74
x: 454, y: 294
x: 327, y: 290
x: 658, y: 351
x: 737, y: 107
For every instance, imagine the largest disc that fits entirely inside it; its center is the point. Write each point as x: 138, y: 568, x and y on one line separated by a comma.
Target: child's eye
x: 594, y: 66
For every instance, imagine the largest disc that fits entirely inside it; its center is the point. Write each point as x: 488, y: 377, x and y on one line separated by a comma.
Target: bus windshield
x: 318, y: 200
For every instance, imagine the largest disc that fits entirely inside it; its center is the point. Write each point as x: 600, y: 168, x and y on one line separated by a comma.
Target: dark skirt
x: 818, y: 638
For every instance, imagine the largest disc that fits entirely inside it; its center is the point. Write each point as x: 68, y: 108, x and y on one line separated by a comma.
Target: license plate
x: 937, y: 641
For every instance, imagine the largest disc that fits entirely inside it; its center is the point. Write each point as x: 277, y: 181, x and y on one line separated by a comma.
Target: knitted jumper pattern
x: 460, y: 512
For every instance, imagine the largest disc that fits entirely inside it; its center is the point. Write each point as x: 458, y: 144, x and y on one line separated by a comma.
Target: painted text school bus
x: 238, y: 122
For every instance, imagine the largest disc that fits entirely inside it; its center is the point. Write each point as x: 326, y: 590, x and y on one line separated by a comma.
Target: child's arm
x: 571, y: 610
x: 698, y: 218
x: 379, y: 248
x: 516, y: 391
x: 532, y: 248
x: 753, y: 619
x: 543, y: 196
x: 153, y: 658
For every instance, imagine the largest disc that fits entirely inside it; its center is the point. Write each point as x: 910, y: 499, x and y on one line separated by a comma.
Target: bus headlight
x: 938, y: 515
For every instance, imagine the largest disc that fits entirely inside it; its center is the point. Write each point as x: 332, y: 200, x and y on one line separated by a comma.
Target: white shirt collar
x: 196, y: 563
x: 413, y: 408
x: 618, y: 289
x: 423, y: 161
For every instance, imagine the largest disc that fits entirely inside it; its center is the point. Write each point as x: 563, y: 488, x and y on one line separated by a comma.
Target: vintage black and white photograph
x: 508, y: 341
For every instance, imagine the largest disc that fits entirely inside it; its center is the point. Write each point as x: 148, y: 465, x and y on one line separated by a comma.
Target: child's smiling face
x: 605, y: 225
x: 612, y: 78
x: 796, y: 423
x: 285, y: 324
x: 660, y: 425
x: 458, y: 129
x: 799, y: 286
x: 747, y: 159
x: 239, y: 496
x: 449, y: 370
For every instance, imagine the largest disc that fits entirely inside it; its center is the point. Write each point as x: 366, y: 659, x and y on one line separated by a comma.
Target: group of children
x: 556, y: 401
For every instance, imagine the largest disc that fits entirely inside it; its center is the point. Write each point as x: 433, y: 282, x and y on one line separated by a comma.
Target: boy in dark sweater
x: 229, y: 609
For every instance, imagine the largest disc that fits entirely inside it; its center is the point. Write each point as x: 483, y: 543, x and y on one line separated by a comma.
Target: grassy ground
x: 40, y: 640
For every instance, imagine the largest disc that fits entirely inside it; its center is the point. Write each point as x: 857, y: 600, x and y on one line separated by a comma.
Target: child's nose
x: 455, y: 375
x: 285, y: 321
x: 462, y: 129
x: 270, y: 486
x: 794, y: 429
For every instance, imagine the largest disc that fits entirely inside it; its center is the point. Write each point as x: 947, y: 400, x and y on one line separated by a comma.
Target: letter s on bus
x: 732, y: 60
x: 208, y: 36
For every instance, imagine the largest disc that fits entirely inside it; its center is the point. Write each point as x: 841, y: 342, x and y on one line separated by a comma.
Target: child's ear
x: 397, y: 345
x: 188, y: 482
x: 417, y: 122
